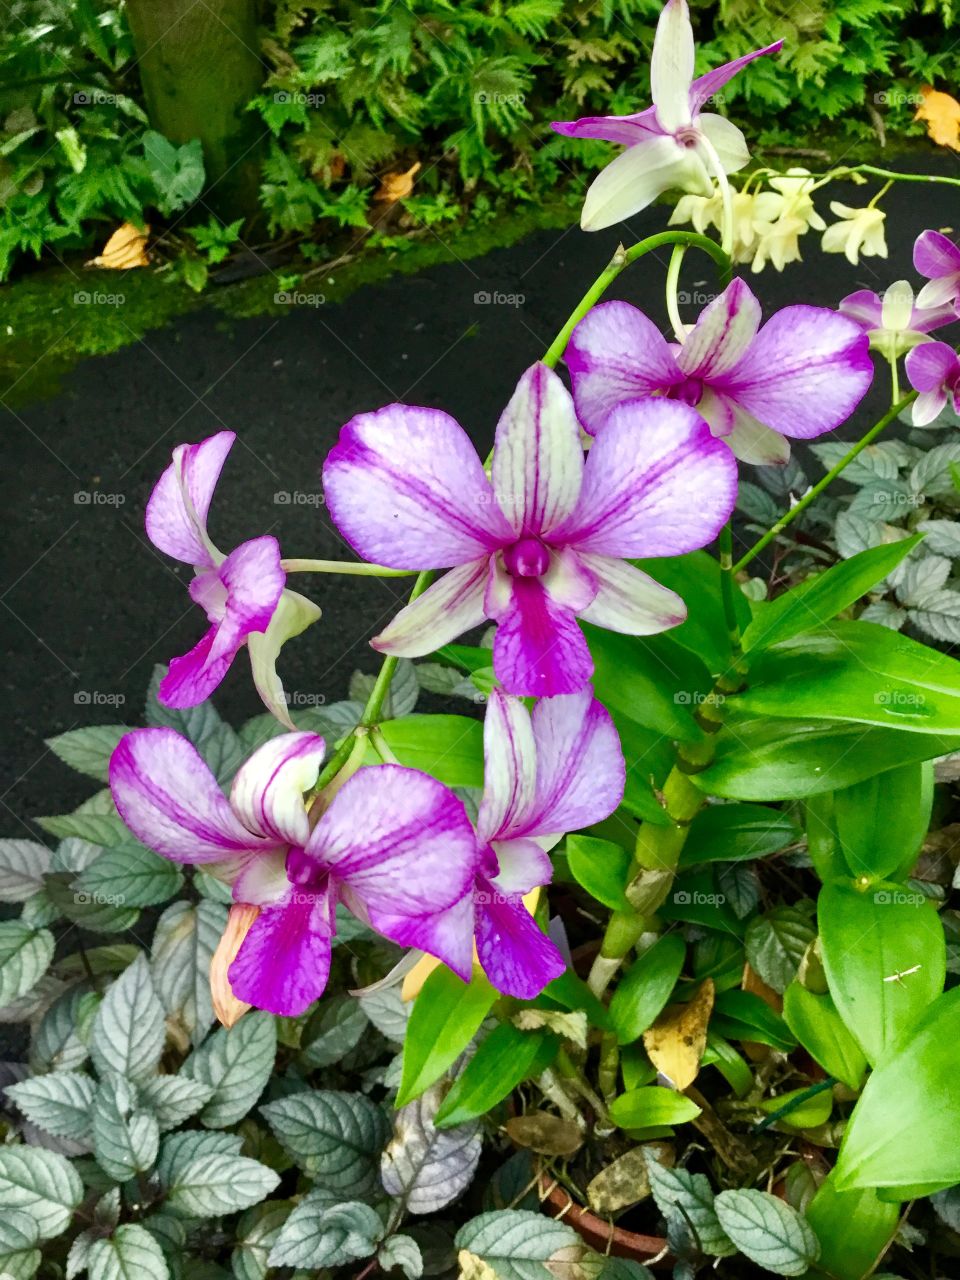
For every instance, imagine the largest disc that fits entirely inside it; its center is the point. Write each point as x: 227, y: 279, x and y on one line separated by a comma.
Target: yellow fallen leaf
x: 126, y: 248
x: 395, y: 186
x: 942, y: 116
x: 676, y: 1041
x: 473, y: 1267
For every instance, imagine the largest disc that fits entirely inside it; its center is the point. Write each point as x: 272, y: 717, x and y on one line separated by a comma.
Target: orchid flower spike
x: 242, y: 593
x: 395, y: 847
x: 893, y: 321
x: 938, y: 258
x: 674, y: 143
x: 801, y: 374
x: 546, y: 773
x: 934, y: 372
x: 543, y: 544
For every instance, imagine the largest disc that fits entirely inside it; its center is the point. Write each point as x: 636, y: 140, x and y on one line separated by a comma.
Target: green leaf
x: 41, y: 1184
x: 823, y: 596
x: 236, y: 1063
x: 446, y: 1016
x: 913, y: 1090
x: 215, y: 1184
x: 651, y: 1105
x: 689, y: 1196
x: 128, y: 1031
x: 696, y: 580
x: 401, y: 1253
x: 516, y: 1243
x: 23, y: 864
x: 25, y: 956
x: 130, y: 1252
x: 426, y: 1167
x: 97, y: 828
x: 861, y: 672
x: 868, y: 937
x: 126, y: 1139
x: 336, y: 1138
x: 59, y: 1103
x: 130, y: 875
x: 179, y: 1150
x: 815, y: 1022
x: 174, y: 1099
x: 183, y: 945
x: 503, y: 1060
x: 775, y: 943
x: 220, y: 746
x: 449, y: 748
x: 768, y: 1231
x: 649, y: 758
x: 334, y: 1028
x: 601, y: 867
x: 89, y: 750
x: 881, y: 822
x: 737, y: 832
x: 177, y: 172
x: 740, y: 1015
x: 257, y: 1233
x: 320, y: 1233
x: 645, y: 988
x: 854, y: 1228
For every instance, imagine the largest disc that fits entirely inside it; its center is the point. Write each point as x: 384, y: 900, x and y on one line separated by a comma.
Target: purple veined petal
x: 406, y: 488
x: 705, y: 86
x: 629, y: 600
x: 398, y: 840
x: 580, y: 768
x: 192, y: 677
x: 509, y: 765
x: 176, y: 517
x: 805, y: 373
x: 940, y: 292
x: 865, y: 307
x: 935, y: 254
x: 284, y: 961
x: 517, y: 958
x: 626, y: 130
x: 726, y: 140
x: 254, y: 582
x: 448, y: 608
x: 656, y: 483
x: 170, y: 800
x: 537, y: 458
x: 524, y: 866
x: 616, y: 353
x: 671, y: 66
x: 267, y: 793
x: 638, y: 176
x: 930, y: 364
x: 723, y: 333
x: 446, y: 935
x: 293, y: 614
x: 538, y: 649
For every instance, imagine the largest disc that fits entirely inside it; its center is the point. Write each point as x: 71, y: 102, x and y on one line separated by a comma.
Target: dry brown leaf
x: 676, y: 1041
x: 626, y: 1181
x: 942, y: 116
x: 395, y: 186
x: 546, y: 1134
x: 126, y: 248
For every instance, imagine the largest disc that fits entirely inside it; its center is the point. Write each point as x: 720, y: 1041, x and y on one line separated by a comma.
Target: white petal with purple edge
x: 267, y: 793
x: 671, y: 65
x: 939, y: 292
x: 449, y: 607
x: 928, y: 406
x: 509, y: 765
x: 537, y: 458
x: 170, y: 800
x: 656, y: 483
x: 726, y: 140
x: 626, y: 130
x: 516, y: 956
x: 615, y: 353
x: 192, y: 677
x: 722, y: 334
x: 406, y: 489
x: 930, y: 364
x: 524, y: 865
x: 752, y: 442
x: 263, y: 880
x: 284, y: 961
x: 705, y: 86
x: 447, y: 935
x: 864, y: 306
x: 636, y: 178
x: 935, y: 254
x: 629, y: 600
x: 254, y: 582
x: 176, y: 517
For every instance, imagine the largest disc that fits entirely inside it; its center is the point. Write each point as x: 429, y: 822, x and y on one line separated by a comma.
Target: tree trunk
x: 199, y: 66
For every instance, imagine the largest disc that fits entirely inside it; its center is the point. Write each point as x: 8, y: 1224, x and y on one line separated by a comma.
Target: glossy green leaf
x: 737, y: 832
x: 881, y: 822
x: 696, y: 580
x: 449, y: 748
x: 446, y: 1016
x: 768, y: 1231
x: 823, y: 596
x: 646, y: 987
x: 885, y: 958
x: 600, y: 867
x: 740, y: 1015
x: 822, y: 843
x: 572, y: 992
x: 775, y: 943
x: 805, y: 1112
x: 652, y: 1105
x: 815, y: 1022
x: 853, y: 1227
x: 503, y: 1060
x: 721, y: 1054
x: 649, y: 757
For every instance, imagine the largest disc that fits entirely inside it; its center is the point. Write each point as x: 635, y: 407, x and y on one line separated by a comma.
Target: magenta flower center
x: 689, y: 391
x: 528, y: 558
x: 303, y: 871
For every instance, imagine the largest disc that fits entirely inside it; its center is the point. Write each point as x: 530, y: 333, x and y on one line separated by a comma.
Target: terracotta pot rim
x: 598, y: 1233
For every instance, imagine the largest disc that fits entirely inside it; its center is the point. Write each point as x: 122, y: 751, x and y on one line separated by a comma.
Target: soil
x: 89, y: 606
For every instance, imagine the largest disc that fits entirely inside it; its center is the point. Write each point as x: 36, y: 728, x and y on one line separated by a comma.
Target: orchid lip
x: 527, y: 558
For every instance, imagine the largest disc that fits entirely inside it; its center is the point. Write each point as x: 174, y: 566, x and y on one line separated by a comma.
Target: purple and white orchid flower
x: 673, y: 143
x: 801, y: 374
x: 938, y: 258
x: 895, y: 322
x: 544, y: 543
x: 242, y: 593
x: 934, y: 372
x: 548, y: 772
x: 395, y: 846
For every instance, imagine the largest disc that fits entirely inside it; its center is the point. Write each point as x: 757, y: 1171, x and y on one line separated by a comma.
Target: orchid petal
x: 192, y: 677
x: 446, y: 935
x: 406, y: 489
x: 517, y: 958
x: 284, y: 962
x: 523, y: 864
x: 267, y: 793
x: 931, y: 364
x: 263, y: 880
x: 939, y: 292
x: 723, y: 333
x: 864, y: 306
x: 928, y: 406
x: 629, y: 600
x: 537, y: 458
x: 615, y: 353
x: 254, y: 581
x: 750, y: 441
x: 727, y: 142
x: 446, y: 609
x: 671, y: 66
x: 509, y: 765
x: 626, y: 130
x: 176, y: 516
x: 642, y: 473
x: 805, y: 373
x: 935, y: 254
x: 170, y: 800
x: 638, y: 176
x: 293, y: 614
x: 705, y: 86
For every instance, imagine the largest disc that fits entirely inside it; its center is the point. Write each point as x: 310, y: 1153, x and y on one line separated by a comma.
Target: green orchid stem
x: 887, y: 173
x: 358, y: 569
x: 792, y: 1105
x: 378, y: 694
x: 728, y: 589
x: 813, y: 493
x: 619, y: 262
